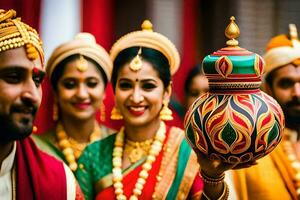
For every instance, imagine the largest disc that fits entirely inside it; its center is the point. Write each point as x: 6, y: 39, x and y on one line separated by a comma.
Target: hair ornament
x: 136, y: 63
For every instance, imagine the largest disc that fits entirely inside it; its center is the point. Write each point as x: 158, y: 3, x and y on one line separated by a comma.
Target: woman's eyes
x: 125, y: 85
x: 148, y: 86
x: 144, y: 86
x: 92, y: 83
x: 72, y: 84
x: 69, y: 84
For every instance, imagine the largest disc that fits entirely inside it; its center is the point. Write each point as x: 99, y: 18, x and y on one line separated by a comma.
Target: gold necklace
x: 71, y: 148
x: 295, y: 164
x: 137, y: 150
x: 143, y: 175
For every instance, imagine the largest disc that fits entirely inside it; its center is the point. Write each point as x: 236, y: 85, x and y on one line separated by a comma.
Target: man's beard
x: 13, y: 128
x: 292, y: 116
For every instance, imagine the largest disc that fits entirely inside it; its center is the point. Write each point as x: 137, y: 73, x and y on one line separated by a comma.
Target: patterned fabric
x: 177, y: 178
x: 94, y: 163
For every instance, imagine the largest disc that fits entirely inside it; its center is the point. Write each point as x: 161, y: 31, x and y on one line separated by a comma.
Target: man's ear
x: 267, y: 88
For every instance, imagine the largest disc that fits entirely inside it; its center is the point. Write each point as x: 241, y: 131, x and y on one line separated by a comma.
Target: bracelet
x: 210, y: 180
x: 224, y: 195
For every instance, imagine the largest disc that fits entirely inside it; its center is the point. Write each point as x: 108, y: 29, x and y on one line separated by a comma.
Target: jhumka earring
x: 115, y: 114
x: 165, y: 113
x: 102, y: 112
x: 55, y: 112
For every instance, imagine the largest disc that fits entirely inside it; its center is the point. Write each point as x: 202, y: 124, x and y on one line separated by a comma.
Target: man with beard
x: 283, y: 77
x: 25, y: 171
x: 277, y: 176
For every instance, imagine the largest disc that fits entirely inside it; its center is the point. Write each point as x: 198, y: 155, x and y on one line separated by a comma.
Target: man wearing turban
x: 25, y: 171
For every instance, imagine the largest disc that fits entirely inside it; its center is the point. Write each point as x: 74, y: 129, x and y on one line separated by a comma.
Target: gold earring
x: 165, y: 113
x: 115, y: 114
x: 55, y: 112
x: 102, y: 112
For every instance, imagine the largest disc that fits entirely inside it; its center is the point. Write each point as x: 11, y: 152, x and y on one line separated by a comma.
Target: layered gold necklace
x: 71, y: 148
x: 137, y: 150
x: 155, y: 149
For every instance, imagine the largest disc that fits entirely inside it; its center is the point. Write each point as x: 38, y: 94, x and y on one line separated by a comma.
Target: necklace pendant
x: 135, y: 155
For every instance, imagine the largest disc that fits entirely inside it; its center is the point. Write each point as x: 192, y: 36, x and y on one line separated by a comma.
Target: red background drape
x: 188, y: 51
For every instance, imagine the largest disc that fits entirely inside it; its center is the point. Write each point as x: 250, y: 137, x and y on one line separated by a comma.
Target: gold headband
x: 14, y: 34
x: 147, y: 38
x: 287, y: 50
x: 85, y: 45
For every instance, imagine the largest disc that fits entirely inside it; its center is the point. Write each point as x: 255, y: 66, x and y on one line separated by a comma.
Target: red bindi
x: 35, y: 70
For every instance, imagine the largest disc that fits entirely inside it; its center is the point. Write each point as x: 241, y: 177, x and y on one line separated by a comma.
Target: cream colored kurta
x: 6, y: 191
x: 6, y: 175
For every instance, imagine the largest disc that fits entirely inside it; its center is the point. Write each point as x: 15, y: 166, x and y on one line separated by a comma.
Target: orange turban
x: 282, y: 50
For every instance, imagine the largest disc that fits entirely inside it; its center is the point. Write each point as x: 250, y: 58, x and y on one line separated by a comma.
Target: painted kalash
x: 235, y: 121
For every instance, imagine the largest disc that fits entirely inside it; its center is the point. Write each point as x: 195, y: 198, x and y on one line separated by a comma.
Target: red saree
x: 182, y: 183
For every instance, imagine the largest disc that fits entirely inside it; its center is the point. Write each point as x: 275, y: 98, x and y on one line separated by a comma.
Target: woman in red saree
x: 146, y: 159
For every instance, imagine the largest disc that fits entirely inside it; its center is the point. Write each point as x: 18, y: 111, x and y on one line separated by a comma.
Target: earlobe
x: 266, y: 88
x: 167, y: 93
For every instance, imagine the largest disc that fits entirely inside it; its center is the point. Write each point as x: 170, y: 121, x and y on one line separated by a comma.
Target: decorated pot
x: 235, y: 121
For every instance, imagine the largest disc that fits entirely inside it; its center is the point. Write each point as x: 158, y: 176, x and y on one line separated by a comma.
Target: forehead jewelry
x: 35, y: 70
x: 82, y: 64
x: 136, y: 63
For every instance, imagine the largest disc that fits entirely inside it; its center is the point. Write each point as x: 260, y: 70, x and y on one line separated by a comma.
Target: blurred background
x: 195, y: 26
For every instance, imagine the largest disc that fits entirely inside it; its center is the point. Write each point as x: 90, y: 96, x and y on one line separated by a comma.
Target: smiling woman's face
x: 140, y: 94
x: 79, y: 93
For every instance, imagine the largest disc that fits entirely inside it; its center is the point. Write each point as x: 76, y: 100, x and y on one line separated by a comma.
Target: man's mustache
x: 293, y: 102
x: 24, y: 108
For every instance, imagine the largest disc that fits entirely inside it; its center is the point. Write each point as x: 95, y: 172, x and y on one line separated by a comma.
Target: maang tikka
x: 82, y: 64
x: 136, y: 63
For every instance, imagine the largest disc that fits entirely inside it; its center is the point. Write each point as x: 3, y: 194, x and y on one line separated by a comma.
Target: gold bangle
x: 209, y: 180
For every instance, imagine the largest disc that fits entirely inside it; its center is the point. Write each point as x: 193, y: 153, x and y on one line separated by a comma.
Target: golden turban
x: 83, y: 44
x: 147, y: 38
x: 282, y: 50
x: 14, y: 34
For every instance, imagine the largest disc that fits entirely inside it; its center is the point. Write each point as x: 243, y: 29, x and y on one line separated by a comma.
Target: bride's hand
x: 215, y: 167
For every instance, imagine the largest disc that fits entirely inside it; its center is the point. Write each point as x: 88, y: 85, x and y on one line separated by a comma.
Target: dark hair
x: 269, y: 78
x: 197, y: 70
x: 60, y: 68
x: 159, y: 62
